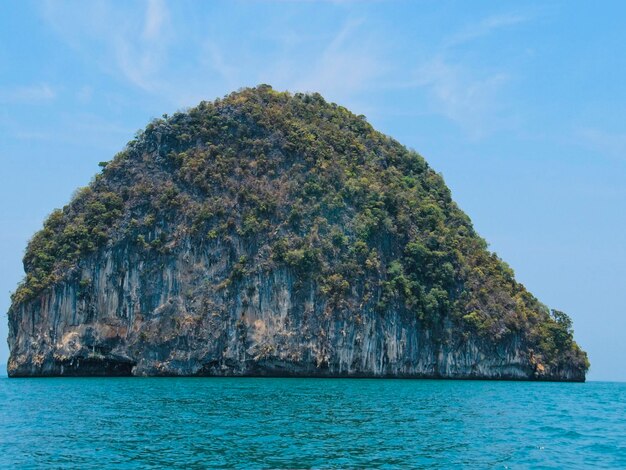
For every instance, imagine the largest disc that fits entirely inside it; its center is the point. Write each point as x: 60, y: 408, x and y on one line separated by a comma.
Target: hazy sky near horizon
x: 521, y: 106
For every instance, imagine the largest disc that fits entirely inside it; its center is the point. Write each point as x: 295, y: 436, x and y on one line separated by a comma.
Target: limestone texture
x: 270, y: 234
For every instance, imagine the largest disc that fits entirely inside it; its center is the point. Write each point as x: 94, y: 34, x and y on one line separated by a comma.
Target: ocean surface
x: 309, y: 423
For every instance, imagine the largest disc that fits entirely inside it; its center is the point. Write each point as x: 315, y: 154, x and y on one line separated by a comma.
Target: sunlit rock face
x: 278, y: 235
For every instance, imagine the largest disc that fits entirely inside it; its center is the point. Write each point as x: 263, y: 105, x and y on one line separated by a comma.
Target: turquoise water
x: 304, y: 423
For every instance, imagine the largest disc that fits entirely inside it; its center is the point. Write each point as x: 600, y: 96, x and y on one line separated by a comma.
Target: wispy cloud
x: 213, y: 58
x: 91, y: 128
x: 462, y: 95
x: 136, y: 46
x: 349, y: 64
x: 156, y: 19
x: 84, y: 94
x: 141, y: 58
x: 339, y: 65
x: 483, y: 28
x: 33, y: 94
x: 336, y: 2
x: 610, y: 144
x: 110, y: 36
x: 464, y: 91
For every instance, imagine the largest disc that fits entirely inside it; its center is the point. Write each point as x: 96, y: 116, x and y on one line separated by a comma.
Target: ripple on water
x: 261, y: 423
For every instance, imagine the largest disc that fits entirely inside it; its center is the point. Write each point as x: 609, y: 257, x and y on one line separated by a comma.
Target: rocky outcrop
x: 147, y: 314
x: 271, y: 235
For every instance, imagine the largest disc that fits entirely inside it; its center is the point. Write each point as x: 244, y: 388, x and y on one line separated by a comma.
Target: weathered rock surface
x: 181, y: 303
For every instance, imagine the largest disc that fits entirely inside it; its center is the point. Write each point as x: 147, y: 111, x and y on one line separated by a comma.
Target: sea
x: 250, y: 423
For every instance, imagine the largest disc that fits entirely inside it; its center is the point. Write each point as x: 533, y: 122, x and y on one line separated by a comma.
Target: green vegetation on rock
x: 303, y: 184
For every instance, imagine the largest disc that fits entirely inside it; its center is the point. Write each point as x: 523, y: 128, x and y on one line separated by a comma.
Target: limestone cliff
x: 272, y: 234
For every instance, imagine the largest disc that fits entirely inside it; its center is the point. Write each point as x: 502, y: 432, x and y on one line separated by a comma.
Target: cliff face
x: 267, y: 234
x: 265, y: 326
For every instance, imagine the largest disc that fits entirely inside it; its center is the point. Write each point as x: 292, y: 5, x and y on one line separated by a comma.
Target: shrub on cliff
x: 306, y: 185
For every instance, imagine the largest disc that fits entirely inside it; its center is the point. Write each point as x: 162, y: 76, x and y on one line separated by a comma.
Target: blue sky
x: 520, y: 105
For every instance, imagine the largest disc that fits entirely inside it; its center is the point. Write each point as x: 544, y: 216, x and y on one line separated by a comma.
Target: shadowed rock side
x: 268, y: 234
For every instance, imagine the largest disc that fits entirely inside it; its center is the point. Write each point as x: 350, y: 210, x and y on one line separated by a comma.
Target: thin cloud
x: 484, y: 28
x: 342, y: 65
x: 34, y: 94
x: 84, y: 94
x: 213, y: 58
x: 606, y: 143
x: 141, y: 61
x: 137, y: 47
x: 466, y: 99
x: 348, y: 64
x: 465, y: 93
x: 156, y: 18
x: 109, y: 35
x: 64, y: 129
